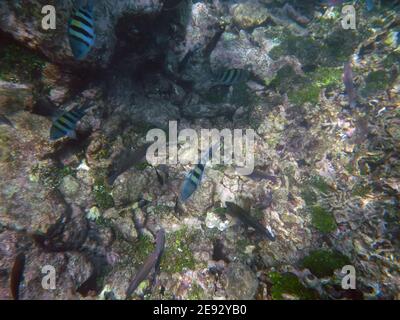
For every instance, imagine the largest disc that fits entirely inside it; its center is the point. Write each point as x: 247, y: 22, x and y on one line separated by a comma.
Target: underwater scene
x: 193, y: 150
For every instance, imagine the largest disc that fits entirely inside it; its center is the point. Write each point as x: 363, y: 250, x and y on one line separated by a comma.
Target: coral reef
x: 331, y: 173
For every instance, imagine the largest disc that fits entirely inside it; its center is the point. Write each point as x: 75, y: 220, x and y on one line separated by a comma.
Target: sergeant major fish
x: 81, y: 30
x: 194, y: 177
x: 64, y: 125
x: 231, y: 77
x: 151, y: 262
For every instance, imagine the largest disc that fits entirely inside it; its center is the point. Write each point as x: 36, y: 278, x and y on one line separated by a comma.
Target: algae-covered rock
x: 288, y: 286
x: 247, y: 15
x: 128, y: 188
x: 323, y: 263
x: 241, y: 283
x: 322, y: 219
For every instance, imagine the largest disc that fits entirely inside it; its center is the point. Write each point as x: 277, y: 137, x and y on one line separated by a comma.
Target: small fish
x: 257, y: 175
x: 231, y: 76
x: 81, y: 30
x: 64, y: 125
x: 194, y: 177
x: 159, y: 177
x: 349, y: 85
x: 4, y: 120
x: 44, y: 107
x: 152, y: 262
x: 236, y: 211
x: 125, y: 160
x: 16, y: 275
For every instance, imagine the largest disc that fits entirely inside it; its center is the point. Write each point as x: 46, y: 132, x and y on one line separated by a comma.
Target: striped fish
x: 65, y: 124
x: 194, y: 177
x: 81, y: 31
x: 393, y: 38
x: 192, y: 181
x: 231, y: 76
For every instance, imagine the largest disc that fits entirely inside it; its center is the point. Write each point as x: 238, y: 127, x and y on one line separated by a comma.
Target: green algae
x: 309, y: 87
x: 322, y: 219
x: 375, y: 82
x: 305, y: 94
x: 49, y: 176
x: 178, y: 255
x: 340, y: 45
x: 323, y: 263
x: 285, y: 79
x: 309, y: 196
x: 102, y: 195
x: 320, y: 184
x: 306, y: 49
x: 326, y: 77
x: 288, y: 283
x: 144, y: 246
x: 196, y: 292
x: 391, y: 59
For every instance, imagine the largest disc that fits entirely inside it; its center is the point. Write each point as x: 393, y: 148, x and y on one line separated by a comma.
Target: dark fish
x: 247, y: 219
x: 64, y: 125
x: 259, y: 175
x: 265, y: 202
x: 194, y: 177
x: 349, y: 85
x: 81, y: 30
x: 4, y: 120
x: 16, y: 275
x: 125, y: 160
x: 159, y: 178
x: 152, y: 262
x: 44, y: 107
x: 231, y: 76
